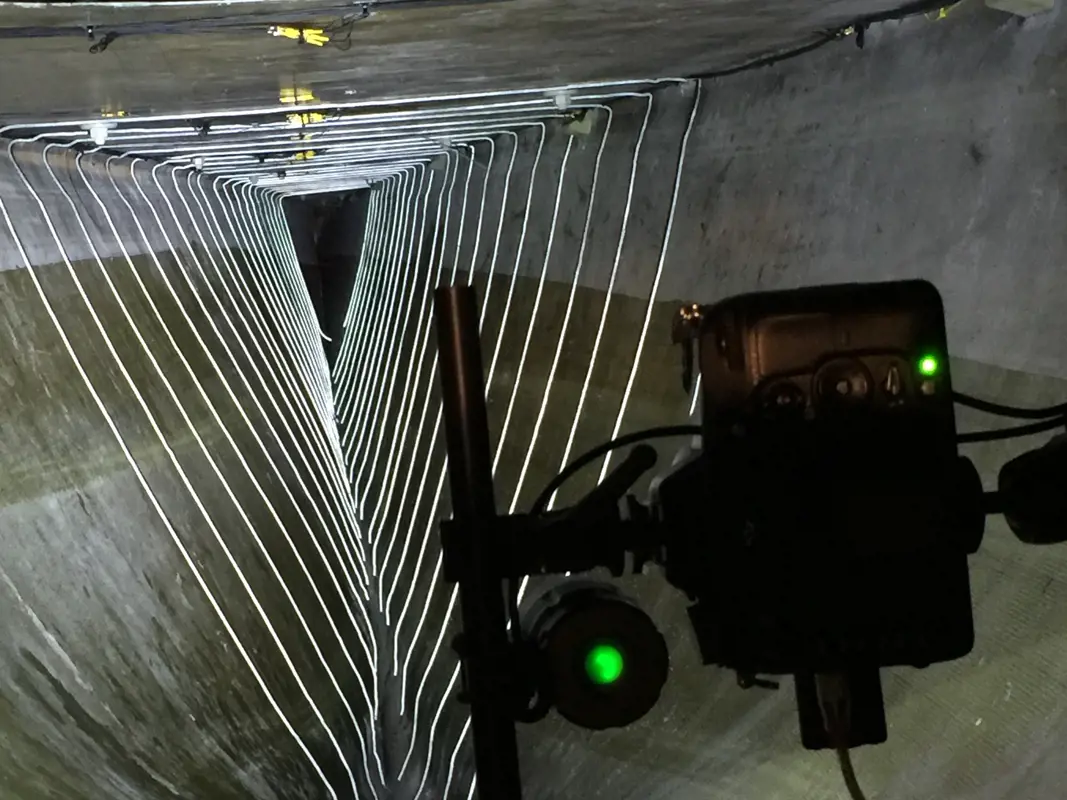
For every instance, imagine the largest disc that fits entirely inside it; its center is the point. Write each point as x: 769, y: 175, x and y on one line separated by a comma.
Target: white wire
x: 420, y: 426
x: 172, y: 456
x: 272, y: 215
x: 425, y: 318
x: 333, y: 522
x: 436, y: 428
x: 489, y: 379
x: 360, y: 288
x: 240, y: 456
x: 414, y: 373
x: 370, y: 382
x: 455, y: 754
x: 401, y: 314
x: 547, y: 394
x: 536, y: 307
x: 275, y: 369
x: 655, y: 281
x: 237, y: 504
x: 222, y: 379
x: 609, y: 290
x: 437, y: 422
x: 331, y: 465
x: 154, y: 502
x: 348, y: 402
x: 413, y: 265
x: 431, y: 521
x: 305, y: 345
x: 353, y: 361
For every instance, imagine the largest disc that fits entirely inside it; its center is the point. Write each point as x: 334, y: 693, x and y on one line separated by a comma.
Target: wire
x: 584, y: 460
x: 513, y: 609
x: 774, y: 58
x: 826, y: 37
x: 341, y: 18
x: 1002, y: 410
x: 835, y: 702
x: 665, y: 432
x: 1013, y: 432
x: 849, y: 774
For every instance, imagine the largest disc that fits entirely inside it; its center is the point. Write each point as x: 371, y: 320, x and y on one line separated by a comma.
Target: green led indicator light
x: 603, y: 664
x: 929, y: 366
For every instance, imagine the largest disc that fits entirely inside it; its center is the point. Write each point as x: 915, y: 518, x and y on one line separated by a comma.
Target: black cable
x: 774, y: 58
x: 540, y: 505
x: 341, y: 19
x: 835, y: 701
x: 101, y: 44
x: 912, y: 9
x: 848, y: 772
x: 1011, y: 433
x: 1001, y: 410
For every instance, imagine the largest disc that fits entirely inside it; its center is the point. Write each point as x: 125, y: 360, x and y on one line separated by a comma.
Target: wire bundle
x: 1048, y: 418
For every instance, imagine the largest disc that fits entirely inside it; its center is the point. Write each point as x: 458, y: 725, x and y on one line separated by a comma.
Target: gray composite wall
x: 175, y: 559
x: 219, y: 567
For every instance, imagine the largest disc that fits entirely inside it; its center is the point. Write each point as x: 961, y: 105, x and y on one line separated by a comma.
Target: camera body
x: 827, y: 521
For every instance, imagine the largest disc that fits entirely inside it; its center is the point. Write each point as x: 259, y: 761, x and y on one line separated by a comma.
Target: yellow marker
x: 307, y: 155
x: 307, y: 118
x: 315, y: 36
x: 292, y: 96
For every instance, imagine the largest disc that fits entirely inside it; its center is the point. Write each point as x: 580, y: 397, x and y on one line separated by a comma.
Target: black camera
x: 826, y: 523
x: 822, y: 529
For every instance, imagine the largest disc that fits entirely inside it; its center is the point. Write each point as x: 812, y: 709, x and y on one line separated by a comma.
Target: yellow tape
x: 307, y: 118
x: 314, y: 36
x: 292, y: 96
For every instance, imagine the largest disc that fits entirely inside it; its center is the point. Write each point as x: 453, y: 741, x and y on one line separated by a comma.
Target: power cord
x: 835, y: 705
x: 540, y: 505
x: 1013, y: 432
x: 1049, y: 418
x: 1015, y: 412
x: 858, y: 27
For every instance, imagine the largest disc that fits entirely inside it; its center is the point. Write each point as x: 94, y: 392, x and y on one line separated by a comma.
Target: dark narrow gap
x: 328, y: 236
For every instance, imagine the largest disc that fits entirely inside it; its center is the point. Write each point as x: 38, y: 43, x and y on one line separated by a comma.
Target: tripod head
x: 821, y: 531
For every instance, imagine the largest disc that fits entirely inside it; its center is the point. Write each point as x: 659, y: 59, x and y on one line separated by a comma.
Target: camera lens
x: 843, y: 382
x: 783, y: 399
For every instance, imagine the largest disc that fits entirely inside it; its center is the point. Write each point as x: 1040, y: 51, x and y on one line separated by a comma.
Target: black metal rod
x: 470, y: 475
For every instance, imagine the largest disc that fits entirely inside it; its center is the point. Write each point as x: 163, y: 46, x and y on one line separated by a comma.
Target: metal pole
x: 484, y: 644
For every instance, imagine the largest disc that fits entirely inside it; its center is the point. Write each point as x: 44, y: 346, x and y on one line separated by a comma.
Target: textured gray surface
x: 398, y: 53
x: 135, y: 434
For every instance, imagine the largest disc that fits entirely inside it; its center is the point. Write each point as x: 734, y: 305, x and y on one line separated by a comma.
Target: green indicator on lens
x: 603, y: 664
x: 929, y: 365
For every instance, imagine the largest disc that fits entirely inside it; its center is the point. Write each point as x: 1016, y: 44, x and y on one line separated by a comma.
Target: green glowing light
x: 603, y: 664
x: 929, y: 366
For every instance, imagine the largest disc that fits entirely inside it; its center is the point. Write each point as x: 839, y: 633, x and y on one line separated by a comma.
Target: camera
x: 821, y: 530
x: 826, y: 523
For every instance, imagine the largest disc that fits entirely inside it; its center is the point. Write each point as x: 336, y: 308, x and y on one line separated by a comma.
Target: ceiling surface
x: 397, y: 51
